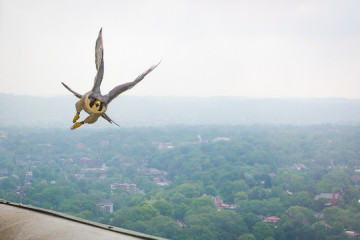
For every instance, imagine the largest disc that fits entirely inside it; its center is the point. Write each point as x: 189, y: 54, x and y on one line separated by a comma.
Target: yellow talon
x: 76, y: 118
x: 76, y: 125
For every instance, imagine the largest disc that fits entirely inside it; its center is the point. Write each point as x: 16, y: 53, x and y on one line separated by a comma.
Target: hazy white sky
x: 208, y: 48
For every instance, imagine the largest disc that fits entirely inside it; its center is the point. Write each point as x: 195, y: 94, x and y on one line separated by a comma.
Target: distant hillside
x: 29, y: 111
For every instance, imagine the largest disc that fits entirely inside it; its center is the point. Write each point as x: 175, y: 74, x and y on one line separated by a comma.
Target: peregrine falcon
x: 93, y: 102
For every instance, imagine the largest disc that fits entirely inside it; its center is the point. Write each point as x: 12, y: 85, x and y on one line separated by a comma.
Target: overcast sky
x: 276, y: 49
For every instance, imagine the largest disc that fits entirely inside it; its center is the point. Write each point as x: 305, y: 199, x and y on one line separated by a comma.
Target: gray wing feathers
x: 75, y: 93
x: 109, y: 119
x: 99, y: 62
x: 99, y: 50
x: 126, y: 86
x: 98, y: 78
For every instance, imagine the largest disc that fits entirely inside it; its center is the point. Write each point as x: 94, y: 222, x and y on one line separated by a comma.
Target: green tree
x: 229, y: 189
x: 251, y: 206
x: 250, y: 219
x: 178, y: 198
x: 165, y: 208
x: 301, y: 199
x: 180, y: 210
x: 8, y: 184
x: 142, y: 213
x: 320, y: 231
x: 240, y: 196
x: 246, y: 236
x: 199, y: 232
x: 189, y: 190
x: 337, y: 232
x: 269, y: 238
x: 203, y: 204
x: 351, y: 196
x: 12, y: 197
x: 301, y: 215
x: 228, y: 225
x: 273, y: 207
x: 211, y: 190
x: 162, y: 226
x: 85, y: 215
x: 262, y: 230
x: 334, y: 181
x: 347, y: 217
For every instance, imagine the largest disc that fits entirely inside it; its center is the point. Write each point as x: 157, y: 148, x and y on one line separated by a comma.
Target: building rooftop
x: 27, y: 222
x: 327, y: 196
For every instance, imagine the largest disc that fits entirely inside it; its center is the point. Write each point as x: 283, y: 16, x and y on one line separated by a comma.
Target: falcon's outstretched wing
x: 75, y: 93
x: 99, y: 50
x: 99, y: 62
x: 98, y: 78
x: 109, y: 119
x: 126, y: 86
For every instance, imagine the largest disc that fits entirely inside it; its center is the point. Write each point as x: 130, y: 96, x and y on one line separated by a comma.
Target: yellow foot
x: 76, y: 118
x: 76, y: 125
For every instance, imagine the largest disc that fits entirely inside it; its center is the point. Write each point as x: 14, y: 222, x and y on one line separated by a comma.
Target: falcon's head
x: 96, y: 105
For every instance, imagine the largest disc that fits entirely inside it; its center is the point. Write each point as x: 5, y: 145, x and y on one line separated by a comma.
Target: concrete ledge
x: 19, y: 221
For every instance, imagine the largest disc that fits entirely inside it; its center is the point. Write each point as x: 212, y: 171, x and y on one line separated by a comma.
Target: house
x: 272, y: 220
x: 95, y: 170
x: 162, y: 145
x: 4, y: 171
x: 272, y: 175
x: 161, y: 181
x: 20, y: 191
x: 220, y: 205
x: 225, y: 139
x: 106, y: 205
x: 352, y: 233
x: 181, y: 223
x: 123, y: 186
x: 79, y: 176
x: 27, y: 183
x: 29, y: 175
x: 298, y: 167
x: 333, y: 198
x: 102, y: 177
x: 86, y: 162
x: 21, y: 163
x: 217, y: 202
x: 154, y: 172
x: 229, y: 206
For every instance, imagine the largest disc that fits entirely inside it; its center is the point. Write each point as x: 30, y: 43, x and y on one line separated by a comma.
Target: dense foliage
x: 265, y: 171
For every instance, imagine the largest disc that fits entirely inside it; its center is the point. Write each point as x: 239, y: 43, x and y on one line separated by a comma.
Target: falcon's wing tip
x: 106, y: 117
x: 157, y: 64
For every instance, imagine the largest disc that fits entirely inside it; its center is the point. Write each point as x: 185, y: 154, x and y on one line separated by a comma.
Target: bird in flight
x: 93, y: 102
